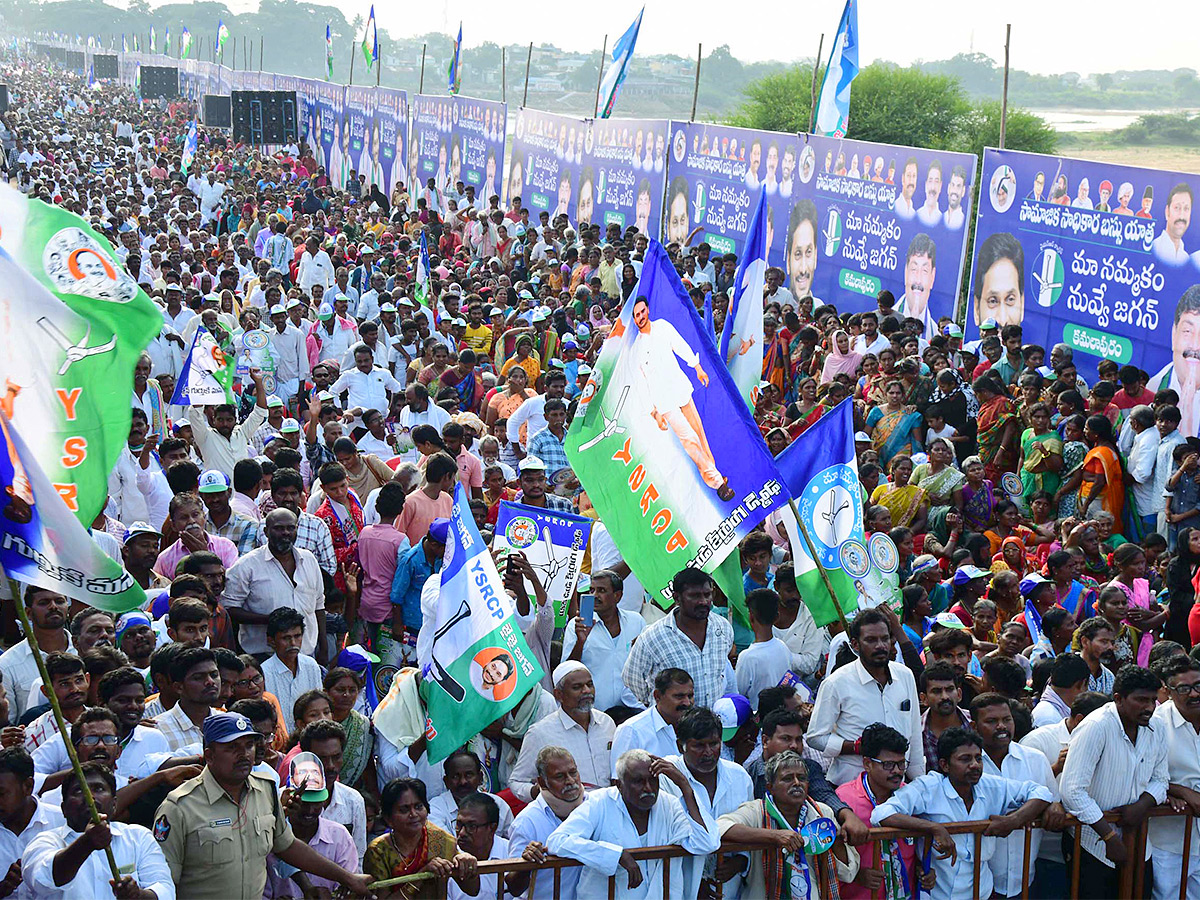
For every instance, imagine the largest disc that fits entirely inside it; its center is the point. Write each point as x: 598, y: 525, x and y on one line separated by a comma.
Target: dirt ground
x: 1178, y: 159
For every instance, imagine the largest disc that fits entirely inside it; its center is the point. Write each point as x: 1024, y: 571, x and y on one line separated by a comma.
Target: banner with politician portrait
x: 391, y: 122
x: 1096, y: 256
x: 430, y: 139
x: 624, y: 174
x: 546, y: 162
x: 330, y: 108
x: 868, y: 217
x: 358, y: 129
x: 663, y: 442
x: 477, y: 150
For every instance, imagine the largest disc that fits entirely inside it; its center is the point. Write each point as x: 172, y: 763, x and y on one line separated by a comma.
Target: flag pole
x: 812, y: 105
x: 528, y: 60
x: 352, y: 55
x: 260, y: 52
x: 812, y: 551
x: 378, y: 68
x: 696, y: 88
x: 64, y: 730
x: 1004, y: 99
x: 600, y: 76
x: 504, y: 74
x: 421, y: 84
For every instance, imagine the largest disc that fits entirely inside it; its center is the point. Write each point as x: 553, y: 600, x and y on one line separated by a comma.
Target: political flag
x: 206, y: 378
x: 552, y: 542
x: 742, y: 336
x: 833, y: 105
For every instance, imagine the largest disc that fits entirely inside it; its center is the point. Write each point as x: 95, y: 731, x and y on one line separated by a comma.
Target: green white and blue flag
x: 622, y: 53
x: 552, y: 542
x: 370, y: 41
x: 742, y: 336
x: 189, y: 149
x: 454, y: 75
x: 206, y: 378
x: 185, y: 43
x: 833, y: 107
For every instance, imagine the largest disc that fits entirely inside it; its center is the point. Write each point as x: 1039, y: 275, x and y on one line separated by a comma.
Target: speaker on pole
x: 160, y: 82
x: 218, y: 111
x: 264, y: 117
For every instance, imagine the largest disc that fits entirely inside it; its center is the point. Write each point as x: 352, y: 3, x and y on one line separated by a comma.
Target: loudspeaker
x: 76, y: 60
x: 160, y: 82
x: 218, y: 111
x: 263, y: 117
x: 104, y: 65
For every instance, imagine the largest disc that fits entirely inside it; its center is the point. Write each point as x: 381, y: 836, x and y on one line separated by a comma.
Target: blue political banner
x: 391, y: 116
x: 552, y: 542
x: 431, y: 136
x: 358, y: 131
x: 869, y: 217
x: 713, y: 179
x: 330, y: 107
x: 624, y: 174
x: 1096, y: 256
x: 477, y: 151
x: 546, y: 161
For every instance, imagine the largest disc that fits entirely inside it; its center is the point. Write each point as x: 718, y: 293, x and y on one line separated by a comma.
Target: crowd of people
x: 1036, y: 663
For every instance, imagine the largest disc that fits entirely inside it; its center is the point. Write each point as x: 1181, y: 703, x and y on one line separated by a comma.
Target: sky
x: 1062, y: 36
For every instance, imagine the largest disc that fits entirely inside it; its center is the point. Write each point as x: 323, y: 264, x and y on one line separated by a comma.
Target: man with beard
x: 1182, y: 373
x: 560, y: 792
x: 585, y: 732
x: 920, y: 269
x: 800, y: 250
x: 48, y: 612
x: 1097, y: 647
x: 463, y: 775
x: 959, y: 792
x: 633, y: 814
x: 312, y: 533
x: 1004, y: 757
x: 196, y: 678
x: 139, y: 551
x: 871, y: 689
x: 720, y: 786
x: 653, y: 729
x: 1179, y: 722
x: 941, y: 696
x: 903, y: 206
x: 930, y: 213
x: 213, y: 803
x: 1117, y: 763
x: 956, y: 190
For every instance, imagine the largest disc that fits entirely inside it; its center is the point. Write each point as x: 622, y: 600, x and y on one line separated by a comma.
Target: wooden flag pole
x: 812, y: 104
x: 63, y: 728
x: 600, y: 75
x: 528, y: 60
x: 504, y: 74
x: 696, y: 87
x: 812, y: 551
x: 421, y: 83
x: 352, y: 55
x: 1004, y: 98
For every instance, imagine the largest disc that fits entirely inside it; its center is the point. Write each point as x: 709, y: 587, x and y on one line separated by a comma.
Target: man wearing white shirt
x: 419, y: 410
x: 291, y: 356
x: 654, y: 729
x: 560, y: 793
x: 367, y: 385
x: 1117, y: 760
x: 463, y: 776
x: 23, y: 816
x: 315, y: 266
x: 871, y: 689
x: 531, y: 413
x: 1179, y: 721
x: 586, y: 732
x: 1140, y: 465
x: 224, y: 443
x: 367, y: 305
x: 604, y: 645
x: 870, y: 341
x: 1168, y: 246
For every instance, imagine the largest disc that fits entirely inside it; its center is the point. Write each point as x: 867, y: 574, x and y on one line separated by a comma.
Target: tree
x: 1104, y: 81
x: 1023, y: 131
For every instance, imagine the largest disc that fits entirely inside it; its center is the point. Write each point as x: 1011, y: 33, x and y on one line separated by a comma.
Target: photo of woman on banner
x: 998, y: 288
x: 1182, y: 374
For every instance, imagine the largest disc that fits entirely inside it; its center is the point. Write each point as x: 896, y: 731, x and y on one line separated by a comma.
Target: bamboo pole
x: 421, y: 83
x: 528, y: 60
x: 600, y: 76
x: 812, y: 105
x: 1004, y: 98
x: 696, y: 87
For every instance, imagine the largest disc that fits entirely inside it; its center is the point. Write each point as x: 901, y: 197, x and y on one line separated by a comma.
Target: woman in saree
x: 917, y: 388
x: 870, y: 368
x: 978, y: 496
x: 959, y: 408
x: 1066, y: 498
x: 806, y: 409
x: 906, y: 502
x: 433, y: 372
x: 525, y: 357
x: 1008, y: 524
x: 894, y: 428
x: 941, y: 482
x: 343, y: 686
x: 998, y: 423
x: 768, y: 411
x: 504, y: 403
x: 1144, y: 613
x: 1012, y: 557
x: 1041, y: 453
x: 1103, y: 483
x: 415, y: 845
x: 466, y: 381
x: 777, y: 366
x: 875, y: 391
x: 841, y: 360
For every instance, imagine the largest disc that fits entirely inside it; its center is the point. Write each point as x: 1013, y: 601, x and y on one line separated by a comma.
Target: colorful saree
x: 993, y: 417
x: 776, y: 367
x: 383, y: 861
x: 893, y: 432
x: 1104, y: 461
x: 469, y: 387
x: 1034, y: 449
x: 977, y: 506
x: 902, y: 502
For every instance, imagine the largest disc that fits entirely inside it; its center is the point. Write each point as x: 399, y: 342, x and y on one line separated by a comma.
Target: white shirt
x: 1183, y: 768
x: 258, y: 583
x: 315, y: 269
x: 408, y: 420
x: 646, y: 731
x: 876, y: 346
x: 348, y: 808
x: 590, y: 748
x: 19, y: 671
x: 933, y: 797
x: 761, y: 665
x: 803, y: 639
x: 535, y: 823
x: 288, y: 687
x: 218, y: 451
x: 13, y: 846
x: 135, y: 850
x: 1019, y: 764
x: 366, y: 390
x: 1167, y: 251
x: 850, y: 700
x: 605, y: 655
x: 487, y: 884
x: 290, y: 352
x: 1141, y: 471
x: 600, y: 830
x: 531, y: 413
x: 443, y: 812
x: 1104, y: 769
x: 137, y: 758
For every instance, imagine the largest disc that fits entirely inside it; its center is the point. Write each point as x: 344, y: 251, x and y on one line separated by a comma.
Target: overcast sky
x: 1063, y: 36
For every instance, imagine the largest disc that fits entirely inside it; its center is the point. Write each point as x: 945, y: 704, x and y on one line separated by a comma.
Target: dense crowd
x: 1035, y: 664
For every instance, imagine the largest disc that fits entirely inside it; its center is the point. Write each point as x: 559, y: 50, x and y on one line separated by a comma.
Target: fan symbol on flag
x: 549, y: 570
x: 75, y: 352
x: 611, y: 425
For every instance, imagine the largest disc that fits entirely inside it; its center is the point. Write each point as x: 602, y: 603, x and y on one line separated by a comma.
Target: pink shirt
x: 855, y: 796
x: 169, y: 558
x: 419, y: 512
x: 377, y: 548
x: 470, y: 470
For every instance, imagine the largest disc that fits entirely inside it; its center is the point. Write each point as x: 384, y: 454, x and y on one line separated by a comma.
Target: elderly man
x: 560, y: 792
x: 586, y: 732
x: 633, y: 814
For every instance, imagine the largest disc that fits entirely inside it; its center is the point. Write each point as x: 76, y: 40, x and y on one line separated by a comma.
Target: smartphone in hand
x: 587, y: 609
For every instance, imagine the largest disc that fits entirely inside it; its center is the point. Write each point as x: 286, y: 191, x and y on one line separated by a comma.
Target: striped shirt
x: 246, y: 534
x: 662, y: 646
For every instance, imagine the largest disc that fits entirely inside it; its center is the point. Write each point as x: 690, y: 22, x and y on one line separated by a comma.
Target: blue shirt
x: 412, y: 571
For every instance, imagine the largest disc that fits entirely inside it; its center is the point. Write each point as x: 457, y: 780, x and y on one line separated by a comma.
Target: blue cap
x: 222, y: 728
x: 1031, y: 583
x: 439, y: 530
x: 969, y: 573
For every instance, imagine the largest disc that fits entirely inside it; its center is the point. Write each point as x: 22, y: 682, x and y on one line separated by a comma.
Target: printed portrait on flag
x: 493, y: 673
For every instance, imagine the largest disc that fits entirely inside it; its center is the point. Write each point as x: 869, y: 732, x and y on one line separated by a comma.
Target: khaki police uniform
x: 215, y: 847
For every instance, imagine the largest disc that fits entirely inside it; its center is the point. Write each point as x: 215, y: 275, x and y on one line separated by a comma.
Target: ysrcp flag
x: 478, y: 665
x: 663, y: 441
x: 206, y: 378
x: 72, y: 325
x: 821, y: 473
x: 42, y: 543
x: 742, y: 336
x: 554, y: 544
x: 833, y: 107
x: 189, y: 149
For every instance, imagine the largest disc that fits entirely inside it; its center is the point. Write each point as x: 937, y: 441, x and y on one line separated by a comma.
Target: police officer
x: 217, y: 828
